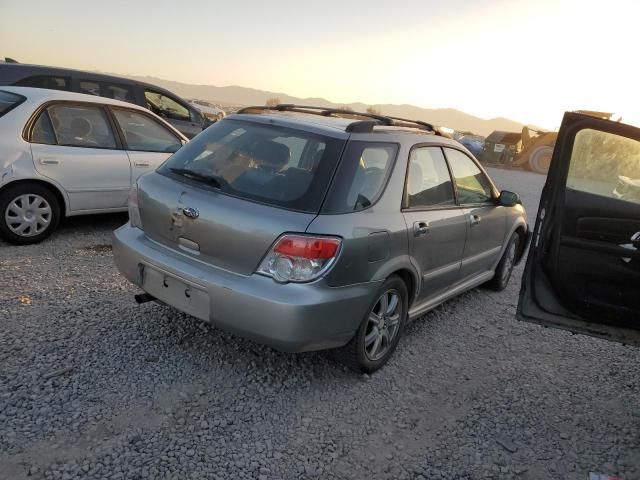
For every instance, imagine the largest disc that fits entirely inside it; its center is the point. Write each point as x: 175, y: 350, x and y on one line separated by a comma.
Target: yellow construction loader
x: 537, y: 146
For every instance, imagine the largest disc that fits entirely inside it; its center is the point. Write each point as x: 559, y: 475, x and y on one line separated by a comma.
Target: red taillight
x: 311, y: 248
x: 300, y: 258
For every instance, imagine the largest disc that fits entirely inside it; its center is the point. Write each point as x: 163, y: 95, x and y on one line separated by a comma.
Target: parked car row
x: 64, y: 154
x: 308, y: 228
x: 209, y: 110
x: 305, y: 230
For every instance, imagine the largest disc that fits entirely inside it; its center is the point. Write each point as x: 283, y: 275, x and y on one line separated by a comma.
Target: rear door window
x: 118, y: 92
x: 143, y: 133
x: 273, y: 165
x: 107, y: 89
x: 428, y: 179
x: 165, y: 106
x: 362, y: 176
x: 43, y: 130
x: 89, y: 87
x: 81, y: 126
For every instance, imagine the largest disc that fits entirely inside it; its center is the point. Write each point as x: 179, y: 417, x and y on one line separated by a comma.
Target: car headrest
x: 80, y: 127
x: 271, y: 154
x: 315, y: 160
x: 414, y: 185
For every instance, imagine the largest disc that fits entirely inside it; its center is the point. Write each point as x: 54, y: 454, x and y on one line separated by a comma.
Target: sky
x: 525, y: 60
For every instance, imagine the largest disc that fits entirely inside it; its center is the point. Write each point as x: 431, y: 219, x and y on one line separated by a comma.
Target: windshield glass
x: 9, y: 101
x: 273, y: 165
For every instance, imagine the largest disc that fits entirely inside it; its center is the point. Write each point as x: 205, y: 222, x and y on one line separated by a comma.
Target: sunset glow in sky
x: 525, y: 60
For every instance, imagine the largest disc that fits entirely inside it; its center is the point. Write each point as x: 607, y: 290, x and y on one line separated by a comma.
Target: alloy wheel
x: 509, y: 261
x: 382, y: 325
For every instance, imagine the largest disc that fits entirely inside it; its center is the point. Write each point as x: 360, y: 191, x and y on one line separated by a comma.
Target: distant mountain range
x: 242, y: 96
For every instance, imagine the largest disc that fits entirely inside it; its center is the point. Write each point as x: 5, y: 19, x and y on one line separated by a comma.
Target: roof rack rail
x: 360, y: 126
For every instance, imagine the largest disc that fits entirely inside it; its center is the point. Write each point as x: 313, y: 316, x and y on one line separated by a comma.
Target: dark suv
x: 184, y: 117
x: 308, y: 228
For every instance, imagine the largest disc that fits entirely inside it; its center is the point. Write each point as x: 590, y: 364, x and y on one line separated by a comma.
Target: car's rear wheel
x: 380, y: 330
x: 28, y: 213
x: 505, y: 267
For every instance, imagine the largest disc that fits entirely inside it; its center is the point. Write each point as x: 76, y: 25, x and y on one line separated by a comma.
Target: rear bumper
x: 288, y: 317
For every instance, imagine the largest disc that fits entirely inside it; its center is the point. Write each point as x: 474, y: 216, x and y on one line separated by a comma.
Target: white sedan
x: 64, y: 154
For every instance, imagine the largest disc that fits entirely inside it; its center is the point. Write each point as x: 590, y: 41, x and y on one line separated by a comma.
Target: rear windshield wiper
x: 212, y: 180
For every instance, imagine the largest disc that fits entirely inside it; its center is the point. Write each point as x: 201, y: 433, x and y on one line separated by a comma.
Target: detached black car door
x: 583, y: 269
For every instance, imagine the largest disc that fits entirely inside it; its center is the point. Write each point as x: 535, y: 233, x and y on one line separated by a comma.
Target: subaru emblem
x: 190, y: 212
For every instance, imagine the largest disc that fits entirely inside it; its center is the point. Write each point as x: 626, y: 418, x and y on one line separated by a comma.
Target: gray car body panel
x: 290, y: 317
x: 377, y: 242
x: 233, y: 234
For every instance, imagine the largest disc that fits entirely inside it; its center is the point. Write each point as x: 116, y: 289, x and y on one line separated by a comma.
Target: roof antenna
x: 10, y: 60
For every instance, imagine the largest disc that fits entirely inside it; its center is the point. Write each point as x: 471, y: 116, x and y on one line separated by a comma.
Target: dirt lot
x: 94, y: 386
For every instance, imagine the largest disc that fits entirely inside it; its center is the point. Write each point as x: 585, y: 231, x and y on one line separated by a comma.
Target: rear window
x: 273, y: 165
x: 362, y: 176
x: 9, y: 101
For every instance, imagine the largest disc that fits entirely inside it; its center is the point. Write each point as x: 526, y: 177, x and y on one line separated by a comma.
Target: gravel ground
x: 94, y: 386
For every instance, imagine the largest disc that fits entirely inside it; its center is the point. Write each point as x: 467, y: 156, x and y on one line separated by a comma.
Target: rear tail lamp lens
x: 300, y: 258
x: 134, y: 208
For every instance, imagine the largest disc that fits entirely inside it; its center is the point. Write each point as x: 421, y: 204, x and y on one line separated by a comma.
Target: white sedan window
x: 81, y: 126
x: 143, y: 133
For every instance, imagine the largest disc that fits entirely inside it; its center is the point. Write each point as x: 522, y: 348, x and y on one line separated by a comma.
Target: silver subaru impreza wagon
x: 306, y: 228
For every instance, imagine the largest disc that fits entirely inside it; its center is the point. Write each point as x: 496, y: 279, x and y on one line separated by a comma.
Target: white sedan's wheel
x: 28, y: 215
x: 29, y: 212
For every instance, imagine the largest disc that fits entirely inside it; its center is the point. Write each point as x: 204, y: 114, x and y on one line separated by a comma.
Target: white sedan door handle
x: 141, y: 164
x: 48, y: 161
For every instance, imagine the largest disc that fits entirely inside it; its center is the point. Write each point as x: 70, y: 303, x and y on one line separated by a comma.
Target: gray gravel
x: 94, y: 386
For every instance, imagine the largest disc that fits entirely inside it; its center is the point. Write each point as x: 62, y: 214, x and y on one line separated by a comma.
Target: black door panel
x: 583, y: 270
x: 611, y: 230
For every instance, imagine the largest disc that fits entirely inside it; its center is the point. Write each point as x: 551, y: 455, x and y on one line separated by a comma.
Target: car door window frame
x: 120, y: 132
x: 27, y: 131
x: 173, y: 98
x: 494, y: 190
x: 405, y: 194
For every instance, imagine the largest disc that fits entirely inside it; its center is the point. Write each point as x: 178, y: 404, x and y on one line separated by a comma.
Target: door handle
x: 635, y: 240
x: 48, y: 161
x: 474, y: 219
x: 420, y: 228
x: 141, y: 164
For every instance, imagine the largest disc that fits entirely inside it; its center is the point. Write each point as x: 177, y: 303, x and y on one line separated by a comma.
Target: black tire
x: 355, y: 354
x: 505, y: 267
x: 8, y: 196
x: 540, y: 159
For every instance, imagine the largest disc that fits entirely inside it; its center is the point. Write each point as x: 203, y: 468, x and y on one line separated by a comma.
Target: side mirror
x: 508, y: 199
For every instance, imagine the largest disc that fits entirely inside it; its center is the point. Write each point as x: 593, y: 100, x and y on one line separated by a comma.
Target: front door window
x: 471, y: 184
x: 143, y: 133
x: 165, y: 106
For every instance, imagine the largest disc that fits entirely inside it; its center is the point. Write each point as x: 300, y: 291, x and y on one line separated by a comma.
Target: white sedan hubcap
x: 28, y: 215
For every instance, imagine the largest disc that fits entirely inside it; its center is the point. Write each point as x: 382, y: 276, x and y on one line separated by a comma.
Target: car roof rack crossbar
x: 360, y: 126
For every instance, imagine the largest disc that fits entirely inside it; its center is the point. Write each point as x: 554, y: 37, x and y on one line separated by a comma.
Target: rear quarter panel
x: 375, y: 242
